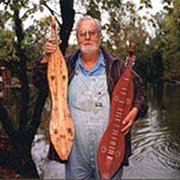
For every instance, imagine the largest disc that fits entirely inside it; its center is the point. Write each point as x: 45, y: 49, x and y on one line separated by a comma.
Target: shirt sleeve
x: 140, y: 100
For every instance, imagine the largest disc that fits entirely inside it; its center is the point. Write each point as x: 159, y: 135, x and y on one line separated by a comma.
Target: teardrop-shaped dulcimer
x: 112, y: 145
x: 61, y: 124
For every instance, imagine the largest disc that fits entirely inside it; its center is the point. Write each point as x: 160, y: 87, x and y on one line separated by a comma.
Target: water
x: 155, y: 139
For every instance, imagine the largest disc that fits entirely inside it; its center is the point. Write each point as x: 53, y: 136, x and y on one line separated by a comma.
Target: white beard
x: 89, y: 50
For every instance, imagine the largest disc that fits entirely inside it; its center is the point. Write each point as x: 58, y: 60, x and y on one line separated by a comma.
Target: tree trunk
x: 68, y: 14
x: 23, y: 72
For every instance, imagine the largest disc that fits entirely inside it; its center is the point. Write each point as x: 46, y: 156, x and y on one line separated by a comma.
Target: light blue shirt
x: 96, y: 71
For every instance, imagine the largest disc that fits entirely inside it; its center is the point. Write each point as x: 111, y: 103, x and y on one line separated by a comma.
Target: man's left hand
x: 129, y: 120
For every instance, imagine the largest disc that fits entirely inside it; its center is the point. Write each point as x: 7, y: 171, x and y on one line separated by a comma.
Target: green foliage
x: 146, y: 3
x: 33, y: 37
x: 7, y: 50
x: 121, y: 25
x: 168, y: 39
x: 125, y: 26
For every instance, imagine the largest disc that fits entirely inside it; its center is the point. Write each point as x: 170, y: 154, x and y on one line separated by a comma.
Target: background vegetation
x: 157, y: 51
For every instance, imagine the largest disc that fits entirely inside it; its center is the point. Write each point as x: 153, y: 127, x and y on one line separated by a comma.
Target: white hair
x: 97, y: 22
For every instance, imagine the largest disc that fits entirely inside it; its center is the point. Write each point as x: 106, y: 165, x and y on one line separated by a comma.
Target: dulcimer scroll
x: 61, y: 124
x: 112, y: 144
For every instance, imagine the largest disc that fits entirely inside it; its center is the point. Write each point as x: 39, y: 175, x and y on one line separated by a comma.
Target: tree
x: 21, y: 143
x: 167, y: 38
x: 171, y: 38
x: 23, y: 136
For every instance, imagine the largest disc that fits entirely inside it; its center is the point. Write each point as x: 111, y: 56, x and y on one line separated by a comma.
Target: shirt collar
x: 100, y: 62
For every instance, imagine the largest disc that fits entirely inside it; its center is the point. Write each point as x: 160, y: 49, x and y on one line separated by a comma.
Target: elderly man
x: 93, y: 74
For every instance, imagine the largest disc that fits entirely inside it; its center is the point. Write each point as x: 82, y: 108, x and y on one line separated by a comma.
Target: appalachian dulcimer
x: 61, y: 125
x: 112, y: 145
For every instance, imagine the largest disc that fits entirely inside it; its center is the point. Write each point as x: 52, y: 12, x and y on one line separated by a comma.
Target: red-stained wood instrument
x: 112, y: 145
x: 61, y: 124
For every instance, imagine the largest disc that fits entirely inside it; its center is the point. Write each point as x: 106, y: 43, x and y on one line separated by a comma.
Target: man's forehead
x: 87, y: 22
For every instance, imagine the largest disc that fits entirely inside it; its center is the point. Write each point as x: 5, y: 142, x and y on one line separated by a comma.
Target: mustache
x: 88, y: 42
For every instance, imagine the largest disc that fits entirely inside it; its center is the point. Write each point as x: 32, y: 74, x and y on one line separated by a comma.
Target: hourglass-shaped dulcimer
x: 112, y: 145
x: 61, y: 124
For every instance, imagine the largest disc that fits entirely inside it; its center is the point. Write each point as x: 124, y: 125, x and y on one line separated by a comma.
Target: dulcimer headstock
x: 131, y: 58
x: 132, y: 48
x: 54, y: 31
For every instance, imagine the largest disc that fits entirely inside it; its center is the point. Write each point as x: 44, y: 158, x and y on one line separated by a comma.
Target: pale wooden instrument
x: 61, y: 124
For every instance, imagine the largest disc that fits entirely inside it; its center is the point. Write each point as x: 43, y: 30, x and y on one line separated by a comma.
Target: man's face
x: 88, y: 37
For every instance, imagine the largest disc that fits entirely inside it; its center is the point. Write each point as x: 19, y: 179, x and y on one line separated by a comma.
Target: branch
x: 51, y: 10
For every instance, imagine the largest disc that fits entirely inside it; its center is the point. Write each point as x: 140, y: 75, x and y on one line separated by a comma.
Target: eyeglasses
x: 84, y: 33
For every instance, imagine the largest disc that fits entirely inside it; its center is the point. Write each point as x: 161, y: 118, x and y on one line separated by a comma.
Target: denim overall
x: 89, y: 104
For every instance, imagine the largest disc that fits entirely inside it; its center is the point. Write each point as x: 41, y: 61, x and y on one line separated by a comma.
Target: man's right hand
x: 49, y: 48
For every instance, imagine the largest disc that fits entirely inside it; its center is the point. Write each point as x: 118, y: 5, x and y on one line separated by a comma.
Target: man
x: 93, y: 74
